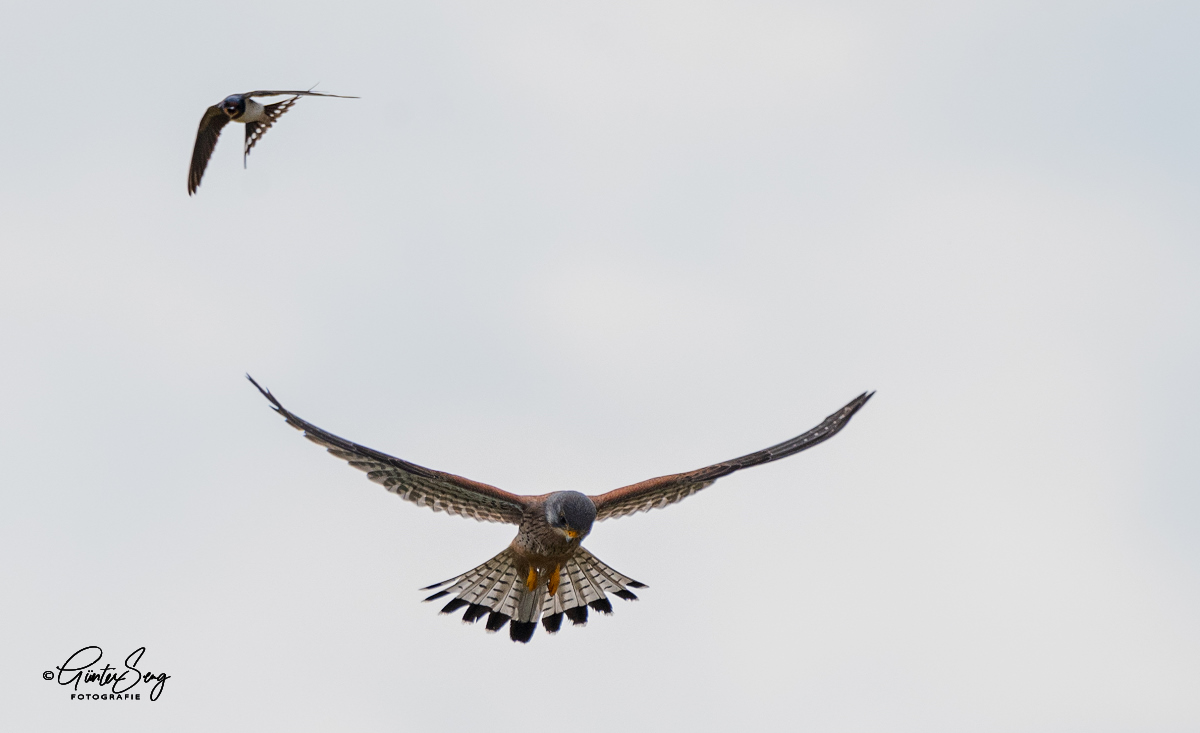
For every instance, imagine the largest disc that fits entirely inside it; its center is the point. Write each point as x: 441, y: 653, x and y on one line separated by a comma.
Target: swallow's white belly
x: 254, y: 113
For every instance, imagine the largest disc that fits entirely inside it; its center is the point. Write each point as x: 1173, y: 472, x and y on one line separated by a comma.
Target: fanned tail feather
x: 496, y: 589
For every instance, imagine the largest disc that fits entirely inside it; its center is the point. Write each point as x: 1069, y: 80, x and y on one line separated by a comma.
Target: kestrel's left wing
x: 442, y: 492
x: 664, y: 490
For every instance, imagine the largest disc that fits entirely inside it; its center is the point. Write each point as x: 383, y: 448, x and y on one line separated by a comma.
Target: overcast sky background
x: 576, y: 247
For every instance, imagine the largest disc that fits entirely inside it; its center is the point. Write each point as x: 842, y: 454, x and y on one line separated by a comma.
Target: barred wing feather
x: 659, y: 492
x: 440, y: 491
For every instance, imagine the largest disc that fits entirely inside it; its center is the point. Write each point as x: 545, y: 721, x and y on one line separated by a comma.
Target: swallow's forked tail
x: 497, y: 589
x: 255, y: 130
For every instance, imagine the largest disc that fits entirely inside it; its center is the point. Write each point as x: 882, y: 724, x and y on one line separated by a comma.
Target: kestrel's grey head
x: 571, y: 513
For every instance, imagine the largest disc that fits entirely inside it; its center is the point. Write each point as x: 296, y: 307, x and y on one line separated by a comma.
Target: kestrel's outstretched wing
x: 422, y: 486
x: 664, y: 490
x: 255, y: 130
x: 206, y: 139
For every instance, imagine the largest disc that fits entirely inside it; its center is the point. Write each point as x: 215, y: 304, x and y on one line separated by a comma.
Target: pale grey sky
x: 572, y: 247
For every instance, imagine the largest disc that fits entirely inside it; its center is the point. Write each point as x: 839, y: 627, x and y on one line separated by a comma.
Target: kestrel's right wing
x: 664, y: 490
x: 422, y: 486
x: 206, y: 139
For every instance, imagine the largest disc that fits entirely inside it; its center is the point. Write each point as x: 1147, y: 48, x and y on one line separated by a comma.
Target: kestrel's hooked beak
x: 570, y: 533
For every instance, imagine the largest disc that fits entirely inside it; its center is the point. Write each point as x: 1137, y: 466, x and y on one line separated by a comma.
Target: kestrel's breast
x: 539, y: 544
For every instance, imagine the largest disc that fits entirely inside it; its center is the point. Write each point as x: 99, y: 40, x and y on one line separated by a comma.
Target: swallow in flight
x: 242, y: 108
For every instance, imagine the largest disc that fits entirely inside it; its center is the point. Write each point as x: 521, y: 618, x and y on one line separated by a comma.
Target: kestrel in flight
x: 545, y: 573
x: 242, y: 108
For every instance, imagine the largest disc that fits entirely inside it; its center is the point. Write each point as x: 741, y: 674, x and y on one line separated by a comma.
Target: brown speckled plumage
x: 536, y: 539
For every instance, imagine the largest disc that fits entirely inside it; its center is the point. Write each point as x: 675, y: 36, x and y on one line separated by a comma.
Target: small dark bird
x: 257, y: 118
x: 544, y: 573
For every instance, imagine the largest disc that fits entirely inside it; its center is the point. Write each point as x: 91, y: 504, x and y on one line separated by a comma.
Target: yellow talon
x: 531, y: 579
x: 553, y: 581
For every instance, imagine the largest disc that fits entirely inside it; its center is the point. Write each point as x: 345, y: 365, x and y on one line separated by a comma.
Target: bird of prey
x: 257, y: 118
x: 545, y: 573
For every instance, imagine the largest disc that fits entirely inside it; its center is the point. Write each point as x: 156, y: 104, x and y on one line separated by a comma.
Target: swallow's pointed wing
x: 270, y: 93
x: 206, y: 139
x: 664, y: 490
x: 442, y: 492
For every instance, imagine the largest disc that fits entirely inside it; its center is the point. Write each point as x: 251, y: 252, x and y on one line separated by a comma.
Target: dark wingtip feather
x: 265, y: 393
x: 435, y: 596
x: 857, y: 403
x: 453, y: 605
x: 270, y: 397
x: 625, y: 595
x: 603, y: 605
x: 635, y: 584
x: 578, y: 615
x: 475, y: 612
x: 496, y: 621
x: 552, y: 623
x: 522, y: 631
